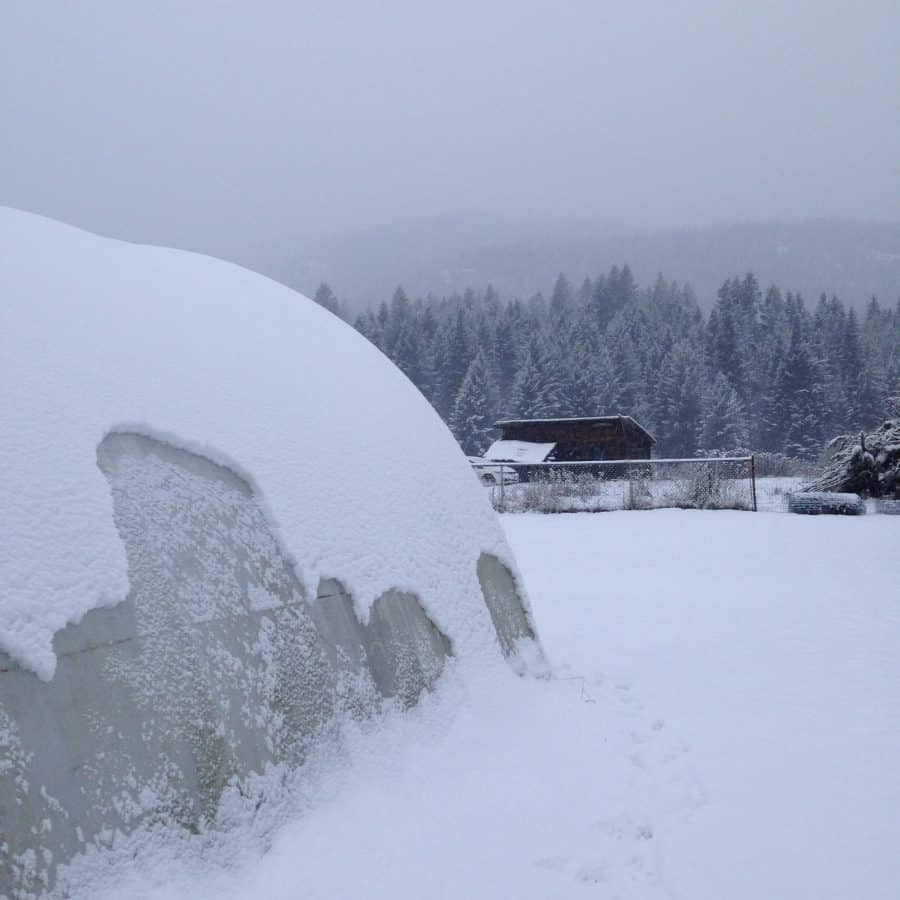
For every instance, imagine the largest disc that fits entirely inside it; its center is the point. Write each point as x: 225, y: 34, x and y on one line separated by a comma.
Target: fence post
x: 502, y: 506
x: 753, y: 480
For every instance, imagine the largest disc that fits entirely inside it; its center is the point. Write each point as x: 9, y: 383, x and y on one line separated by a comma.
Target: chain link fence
x: 603, y: 485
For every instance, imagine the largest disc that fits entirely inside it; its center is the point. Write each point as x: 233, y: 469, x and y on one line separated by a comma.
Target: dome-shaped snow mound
x: 227, y: 519
x: 360, y: 479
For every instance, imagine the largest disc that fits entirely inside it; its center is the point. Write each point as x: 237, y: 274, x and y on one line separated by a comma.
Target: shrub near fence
x: 772, y: 465
x: 597, y: 486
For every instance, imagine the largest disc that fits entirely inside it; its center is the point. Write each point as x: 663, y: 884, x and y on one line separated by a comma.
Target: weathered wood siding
x: 585, y: 440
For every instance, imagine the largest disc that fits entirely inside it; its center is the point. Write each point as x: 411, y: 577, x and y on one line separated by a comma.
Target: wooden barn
x: 570, y: 440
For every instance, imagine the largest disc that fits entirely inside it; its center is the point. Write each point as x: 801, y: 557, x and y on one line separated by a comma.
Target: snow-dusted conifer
x: 677, y: 403
x: 798, y: 406
x: 724, y: 422
x: 472, y: 418
x: 325, y: 297
x: 537, y: 389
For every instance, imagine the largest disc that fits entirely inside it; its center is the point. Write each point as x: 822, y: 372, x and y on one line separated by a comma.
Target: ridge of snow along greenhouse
x: 195, y: 585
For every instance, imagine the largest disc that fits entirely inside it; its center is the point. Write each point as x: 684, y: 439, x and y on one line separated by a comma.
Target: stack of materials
x: 819, y: 503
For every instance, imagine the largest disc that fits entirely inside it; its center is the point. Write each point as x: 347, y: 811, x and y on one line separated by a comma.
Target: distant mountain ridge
x: 853, y: 260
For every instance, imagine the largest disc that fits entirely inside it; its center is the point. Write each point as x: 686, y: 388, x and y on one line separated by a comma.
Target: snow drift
x: 212, y: 545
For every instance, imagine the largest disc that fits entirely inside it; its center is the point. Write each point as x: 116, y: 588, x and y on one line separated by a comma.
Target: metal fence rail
x: 720, y: 482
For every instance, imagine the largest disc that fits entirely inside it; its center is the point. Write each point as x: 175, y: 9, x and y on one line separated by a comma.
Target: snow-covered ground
x: 771, y: 644
x: 727, y: 725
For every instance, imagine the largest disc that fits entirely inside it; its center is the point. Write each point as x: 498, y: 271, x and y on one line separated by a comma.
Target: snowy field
x: 727, y: 725
x: 771, y: 645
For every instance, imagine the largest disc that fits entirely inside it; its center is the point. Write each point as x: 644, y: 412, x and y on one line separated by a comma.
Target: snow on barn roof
x: 584, y: 420
x: 99, y: 336
x: 519, y: 451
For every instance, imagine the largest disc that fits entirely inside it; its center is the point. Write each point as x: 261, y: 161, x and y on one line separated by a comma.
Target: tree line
x: 761, y: 371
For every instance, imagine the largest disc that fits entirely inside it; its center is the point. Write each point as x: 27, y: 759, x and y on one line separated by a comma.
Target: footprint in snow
x: 552, y: 863
x: 593, y: 874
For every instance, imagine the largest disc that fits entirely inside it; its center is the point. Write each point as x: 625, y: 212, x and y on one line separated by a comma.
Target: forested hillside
x: 760, y: 371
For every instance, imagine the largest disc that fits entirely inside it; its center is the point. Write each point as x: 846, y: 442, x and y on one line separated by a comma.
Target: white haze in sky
x: 223, y: 126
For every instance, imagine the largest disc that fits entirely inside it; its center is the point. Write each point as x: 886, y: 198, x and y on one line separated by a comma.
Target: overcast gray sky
x: 223, y: 124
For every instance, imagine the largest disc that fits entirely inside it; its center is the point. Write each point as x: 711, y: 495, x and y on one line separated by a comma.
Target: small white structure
x: 202, y: 565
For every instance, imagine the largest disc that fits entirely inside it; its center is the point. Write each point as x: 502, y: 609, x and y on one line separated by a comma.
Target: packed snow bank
x: 99, y: 336
x: 515, y: 788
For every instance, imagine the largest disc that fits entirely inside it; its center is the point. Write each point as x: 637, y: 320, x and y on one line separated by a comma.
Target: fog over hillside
x: 439, y: 143
x: 854, y: 260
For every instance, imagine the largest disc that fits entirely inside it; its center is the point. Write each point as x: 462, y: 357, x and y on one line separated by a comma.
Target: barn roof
x: 585, y: 420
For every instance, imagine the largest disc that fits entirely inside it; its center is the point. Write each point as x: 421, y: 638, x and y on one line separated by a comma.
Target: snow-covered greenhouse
x: 202, y: 567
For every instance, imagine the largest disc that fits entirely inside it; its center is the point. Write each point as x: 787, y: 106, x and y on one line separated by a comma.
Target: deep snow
x: 772, y: 644
x: 98, y: 335
x: 725, y: 725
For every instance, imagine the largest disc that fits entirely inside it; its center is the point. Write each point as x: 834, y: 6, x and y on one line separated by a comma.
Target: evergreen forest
x: 762, y: 370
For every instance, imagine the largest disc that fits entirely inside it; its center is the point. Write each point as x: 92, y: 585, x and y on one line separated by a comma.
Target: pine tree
x: 609, y: 386
x: 626, y: 374
x: 451, y: 360
x: 506, y: 358
x: 722, y: 339
x: 491, y: 301
x: 575, y: 359
x: 396, y: 320
x: 850, y: 362
x: 367, y: 325
x: 407, y: 351
x: 578, y: 394
x: 383, y: 314
x: 724, y: 421
x: 537, y: 389
x: 611, y: 294
x: 798, y: 406
x: 585, y: 292
x: 560, y: 302
x: 676, y: 407
x: 828, y: 332
x: 324, y: 296
x: 472, y: 418
x: 751, y: 359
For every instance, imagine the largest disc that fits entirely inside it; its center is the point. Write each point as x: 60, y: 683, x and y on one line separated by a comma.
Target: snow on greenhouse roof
x: 99, y: 335
x: 518, y: 451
